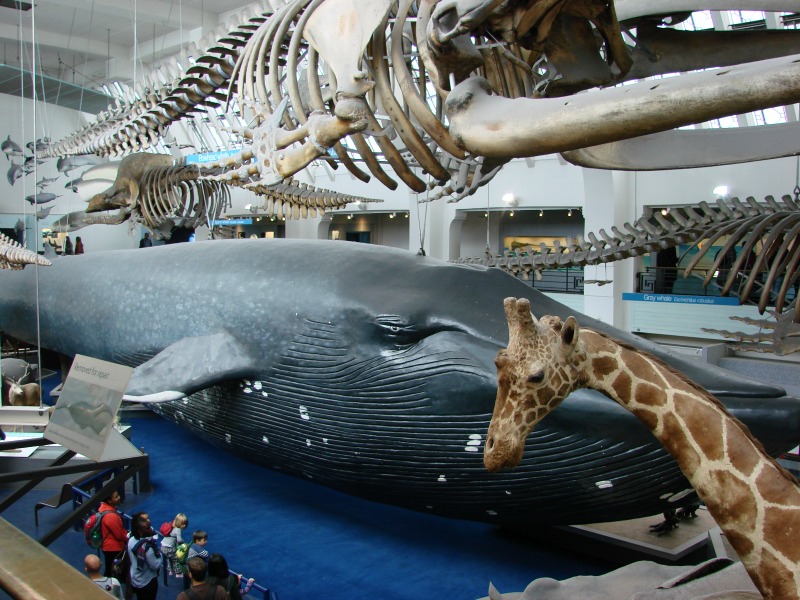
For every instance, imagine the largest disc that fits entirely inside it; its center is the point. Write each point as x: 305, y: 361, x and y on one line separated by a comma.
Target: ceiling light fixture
x: 541, y: 213
x: 569, y: 213
x: 509, y: 199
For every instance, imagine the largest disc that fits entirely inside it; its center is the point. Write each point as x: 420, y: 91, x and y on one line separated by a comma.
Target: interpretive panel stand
x: 83, y: 418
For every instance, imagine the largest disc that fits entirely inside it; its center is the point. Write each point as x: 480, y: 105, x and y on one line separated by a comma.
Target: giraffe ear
x: 569, y: 333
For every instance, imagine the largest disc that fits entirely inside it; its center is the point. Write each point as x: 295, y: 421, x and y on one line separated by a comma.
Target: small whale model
x: 41, y: 198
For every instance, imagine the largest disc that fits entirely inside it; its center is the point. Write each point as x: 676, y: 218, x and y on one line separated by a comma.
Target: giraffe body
x: 753, y: 500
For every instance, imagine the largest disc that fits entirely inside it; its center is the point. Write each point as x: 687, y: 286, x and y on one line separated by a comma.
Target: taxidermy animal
x: 301, y: 356
x: 25, y: 394
x: 754, y: 500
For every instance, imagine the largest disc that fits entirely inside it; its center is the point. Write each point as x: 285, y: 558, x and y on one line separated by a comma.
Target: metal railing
x: 669, y: 280
x: 564, y: 281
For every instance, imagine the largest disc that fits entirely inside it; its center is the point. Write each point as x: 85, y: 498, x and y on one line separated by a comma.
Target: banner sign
x: 675, y: 299
x: 223, y: 222
x: 210, y: 156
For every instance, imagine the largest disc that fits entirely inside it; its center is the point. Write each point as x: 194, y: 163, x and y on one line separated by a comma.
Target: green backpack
x: 182, y: 555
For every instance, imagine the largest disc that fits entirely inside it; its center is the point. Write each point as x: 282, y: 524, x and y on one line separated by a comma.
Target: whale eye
x: 397, y: 331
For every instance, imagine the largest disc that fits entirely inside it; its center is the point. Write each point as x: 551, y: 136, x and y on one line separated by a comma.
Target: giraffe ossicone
x: 753, y: 499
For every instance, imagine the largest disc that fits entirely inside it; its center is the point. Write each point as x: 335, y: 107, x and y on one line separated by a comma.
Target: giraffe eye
x: 537, y: 377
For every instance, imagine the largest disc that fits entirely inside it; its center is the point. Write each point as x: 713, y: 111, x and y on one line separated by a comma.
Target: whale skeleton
x: 456, y: 88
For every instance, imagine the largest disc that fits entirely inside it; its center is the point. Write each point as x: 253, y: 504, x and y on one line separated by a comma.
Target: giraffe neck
x: 751, y: 498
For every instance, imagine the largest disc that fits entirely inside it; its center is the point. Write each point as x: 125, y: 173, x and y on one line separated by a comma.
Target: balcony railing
x: 563, y: 281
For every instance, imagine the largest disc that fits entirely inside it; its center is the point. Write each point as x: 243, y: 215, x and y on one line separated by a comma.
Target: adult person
x: 112, y: 530
x: 68, y: 249
x: 78, y: 245
x: 112, y: 586
x: 219, y: 574
x: 145, y: 558
x: 146, y: 242
x: 200, y: 589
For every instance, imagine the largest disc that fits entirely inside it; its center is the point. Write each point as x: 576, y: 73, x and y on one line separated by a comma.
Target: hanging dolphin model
x: 10, y: 148
x: 41, y: 198
x: 70, y: 163
x: 364, y: 368
x: 14, y: 172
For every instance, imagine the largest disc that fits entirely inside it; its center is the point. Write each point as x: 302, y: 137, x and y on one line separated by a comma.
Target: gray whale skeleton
x: 446, y: 92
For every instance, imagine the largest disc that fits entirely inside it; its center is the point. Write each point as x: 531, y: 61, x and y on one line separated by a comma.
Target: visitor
x: 199, y: 589
x: 145, y: 559
x: 197, y: 549
x: 68, y: 250
x: 171, y: 542
x: 91, y: 564
x: 78, y: 245
x: 146, y: 242
x: 112, y: 530
x: 219, y: 574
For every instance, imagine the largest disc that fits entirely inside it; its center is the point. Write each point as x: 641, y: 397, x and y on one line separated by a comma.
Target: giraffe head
x: 534, y: 374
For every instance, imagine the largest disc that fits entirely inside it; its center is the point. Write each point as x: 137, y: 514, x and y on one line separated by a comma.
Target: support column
x: 609, y: 201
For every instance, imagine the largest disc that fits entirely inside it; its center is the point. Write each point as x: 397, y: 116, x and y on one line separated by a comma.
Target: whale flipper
x: 189, y: 365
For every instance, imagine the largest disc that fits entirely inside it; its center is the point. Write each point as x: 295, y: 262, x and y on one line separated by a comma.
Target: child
x: 170, y: 543
x: 198, y: 548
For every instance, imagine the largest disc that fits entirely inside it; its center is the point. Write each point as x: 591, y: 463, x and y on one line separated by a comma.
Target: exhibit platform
x: 35, y: 458
x: 623, y: 542
x: 698, y: 535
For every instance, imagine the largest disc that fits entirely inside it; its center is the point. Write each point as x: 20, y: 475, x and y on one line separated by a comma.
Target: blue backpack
x: 139, y: 550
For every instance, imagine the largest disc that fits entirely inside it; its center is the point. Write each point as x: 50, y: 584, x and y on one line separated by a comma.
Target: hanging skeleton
x: 458, y: 87
x: 15, y: 256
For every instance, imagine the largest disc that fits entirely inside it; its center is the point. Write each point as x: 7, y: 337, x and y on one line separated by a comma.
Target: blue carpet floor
x: 305, y: 541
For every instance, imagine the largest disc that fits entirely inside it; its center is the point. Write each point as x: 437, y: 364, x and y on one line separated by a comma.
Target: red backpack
x: 92, y: 530
x: 165, y: 529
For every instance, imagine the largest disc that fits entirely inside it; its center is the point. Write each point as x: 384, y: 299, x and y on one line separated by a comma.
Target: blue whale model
x: 363, y: 368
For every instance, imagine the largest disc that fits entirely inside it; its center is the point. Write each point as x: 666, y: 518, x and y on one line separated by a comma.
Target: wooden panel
x: 30, y: 571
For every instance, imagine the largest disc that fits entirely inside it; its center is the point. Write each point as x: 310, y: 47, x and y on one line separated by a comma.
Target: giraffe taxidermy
x: 753, y: 500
